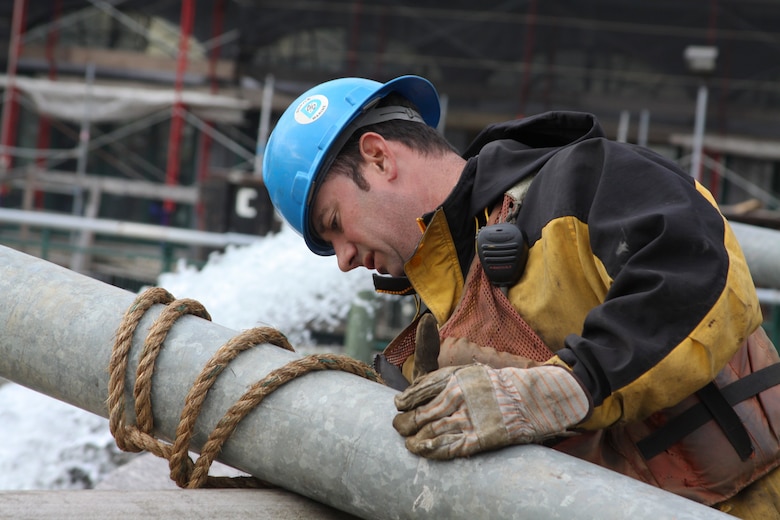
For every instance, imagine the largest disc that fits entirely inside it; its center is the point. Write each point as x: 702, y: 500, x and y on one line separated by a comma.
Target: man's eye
x: 334, y: 224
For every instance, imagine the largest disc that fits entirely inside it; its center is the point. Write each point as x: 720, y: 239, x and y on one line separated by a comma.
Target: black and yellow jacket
x: 634, y: 279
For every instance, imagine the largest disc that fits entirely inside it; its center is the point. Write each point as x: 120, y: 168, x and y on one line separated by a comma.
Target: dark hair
x: 417, y: 136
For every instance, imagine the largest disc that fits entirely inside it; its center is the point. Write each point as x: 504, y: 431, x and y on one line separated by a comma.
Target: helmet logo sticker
x: 310, y: 109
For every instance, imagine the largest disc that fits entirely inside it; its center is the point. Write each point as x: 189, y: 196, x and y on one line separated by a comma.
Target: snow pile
x: 277, y: 282
x: 48, y: 444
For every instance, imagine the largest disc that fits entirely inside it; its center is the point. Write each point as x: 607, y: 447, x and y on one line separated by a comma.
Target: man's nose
x: 346, y: 254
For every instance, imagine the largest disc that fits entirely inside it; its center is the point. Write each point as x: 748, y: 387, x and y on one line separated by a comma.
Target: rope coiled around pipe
x: 140, y: 436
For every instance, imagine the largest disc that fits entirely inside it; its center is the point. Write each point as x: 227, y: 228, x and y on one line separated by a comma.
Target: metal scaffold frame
x: 181, y: 107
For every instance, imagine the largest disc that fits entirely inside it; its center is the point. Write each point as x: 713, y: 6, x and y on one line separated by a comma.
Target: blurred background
x: 132, y: 135
x: 157, y: 112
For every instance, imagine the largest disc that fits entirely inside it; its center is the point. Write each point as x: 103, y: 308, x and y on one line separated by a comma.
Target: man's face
x: 376, y: 229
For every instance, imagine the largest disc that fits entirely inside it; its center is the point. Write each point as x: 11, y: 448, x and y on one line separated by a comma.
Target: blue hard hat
x: 308, y: 136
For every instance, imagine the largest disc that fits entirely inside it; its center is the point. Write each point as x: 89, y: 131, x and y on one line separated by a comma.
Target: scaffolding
x: 205, y: 117
x: 91, y: 104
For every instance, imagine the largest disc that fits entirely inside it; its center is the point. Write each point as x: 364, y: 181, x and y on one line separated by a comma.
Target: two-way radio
x: 503, y: 252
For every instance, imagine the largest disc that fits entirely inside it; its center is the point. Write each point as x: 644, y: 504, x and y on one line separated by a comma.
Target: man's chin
x: 396, y: 273
x: 384, y: 272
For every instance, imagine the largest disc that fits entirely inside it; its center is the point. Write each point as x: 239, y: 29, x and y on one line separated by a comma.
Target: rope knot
x: 140, y: 437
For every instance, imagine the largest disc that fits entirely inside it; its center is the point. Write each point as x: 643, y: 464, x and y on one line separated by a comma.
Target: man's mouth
x: 368, y: 261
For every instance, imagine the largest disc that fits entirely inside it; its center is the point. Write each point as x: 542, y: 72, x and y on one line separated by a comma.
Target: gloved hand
x: 460, y: 411
x: 460, y: 351
x: 427, y: 343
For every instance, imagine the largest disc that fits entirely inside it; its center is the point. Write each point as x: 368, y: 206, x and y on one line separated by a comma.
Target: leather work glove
x: 460, y: 351
x: 427, y: 342
x: 460, y: 411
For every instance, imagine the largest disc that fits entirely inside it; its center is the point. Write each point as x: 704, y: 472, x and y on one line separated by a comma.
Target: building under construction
x: 156, y: 112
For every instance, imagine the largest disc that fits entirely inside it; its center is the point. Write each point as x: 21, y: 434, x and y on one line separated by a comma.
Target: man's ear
x: 376, y: 153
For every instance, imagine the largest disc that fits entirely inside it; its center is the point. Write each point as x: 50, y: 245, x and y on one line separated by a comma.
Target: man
x: 605, y: 299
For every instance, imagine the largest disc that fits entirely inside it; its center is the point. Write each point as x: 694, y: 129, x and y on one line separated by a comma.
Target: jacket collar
x: 500, y: 156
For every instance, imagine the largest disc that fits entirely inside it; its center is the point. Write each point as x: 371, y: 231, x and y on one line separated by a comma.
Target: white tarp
x: 66, y: 100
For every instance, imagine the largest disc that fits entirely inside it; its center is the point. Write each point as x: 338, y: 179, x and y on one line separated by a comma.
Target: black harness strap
x: 728, y: 420
x: 716, y: 403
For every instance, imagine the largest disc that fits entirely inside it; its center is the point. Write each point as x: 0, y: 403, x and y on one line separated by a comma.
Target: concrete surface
x: 142, y: 490
x: 223, y: 504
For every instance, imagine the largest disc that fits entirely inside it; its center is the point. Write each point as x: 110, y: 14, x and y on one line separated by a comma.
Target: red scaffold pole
x: 7, y: 125
x: 177, y: 116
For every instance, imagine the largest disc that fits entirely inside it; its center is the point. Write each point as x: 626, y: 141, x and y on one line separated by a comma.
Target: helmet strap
x: 371, y: 116
x: 382, y: 114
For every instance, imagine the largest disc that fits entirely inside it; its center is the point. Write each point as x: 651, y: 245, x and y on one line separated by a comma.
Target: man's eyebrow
x: 318, y: 222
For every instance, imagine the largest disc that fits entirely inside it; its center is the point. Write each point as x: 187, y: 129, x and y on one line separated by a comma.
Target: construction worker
x: 604, y: 309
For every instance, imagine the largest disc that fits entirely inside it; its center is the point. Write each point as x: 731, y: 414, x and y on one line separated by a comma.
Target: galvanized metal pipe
x: 123, y: 228
x: 327, y: 435
x: 762, y: 251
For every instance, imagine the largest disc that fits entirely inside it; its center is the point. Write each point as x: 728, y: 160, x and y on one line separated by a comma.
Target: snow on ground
x: 47, y: 444
x: 278, y: 282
